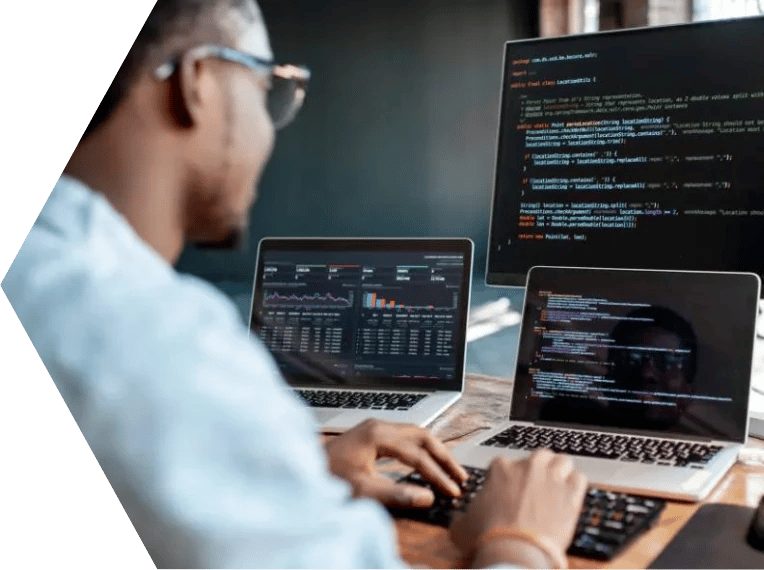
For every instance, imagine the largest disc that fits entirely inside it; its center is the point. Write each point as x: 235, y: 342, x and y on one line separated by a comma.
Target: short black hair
x: 168, y: 18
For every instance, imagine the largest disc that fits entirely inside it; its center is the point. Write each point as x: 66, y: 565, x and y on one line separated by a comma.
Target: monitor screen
x: 632, y: 149
x: 646, y: 351
x: 375, y: 312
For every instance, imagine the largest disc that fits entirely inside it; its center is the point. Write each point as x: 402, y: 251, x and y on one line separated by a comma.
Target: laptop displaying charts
x: 641, y: 376
x: 366, y: 328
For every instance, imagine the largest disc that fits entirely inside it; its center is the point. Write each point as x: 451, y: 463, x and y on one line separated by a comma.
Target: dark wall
x: 397, y: 136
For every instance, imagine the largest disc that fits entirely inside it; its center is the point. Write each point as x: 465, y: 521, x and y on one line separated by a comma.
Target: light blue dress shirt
x: 215, y: 461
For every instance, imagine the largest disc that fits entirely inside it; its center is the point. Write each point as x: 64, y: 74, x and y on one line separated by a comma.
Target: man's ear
x: 187, y: 98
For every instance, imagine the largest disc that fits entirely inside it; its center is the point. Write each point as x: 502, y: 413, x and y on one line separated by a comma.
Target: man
x: 215, y: 461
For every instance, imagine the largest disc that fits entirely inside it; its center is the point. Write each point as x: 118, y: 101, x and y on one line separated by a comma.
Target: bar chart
x: 375, y: 300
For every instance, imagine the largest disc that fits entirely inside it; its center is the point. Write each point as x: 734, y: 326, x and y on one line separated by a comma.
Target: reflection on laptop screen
x: 395, y: 315
x: 639, y: 351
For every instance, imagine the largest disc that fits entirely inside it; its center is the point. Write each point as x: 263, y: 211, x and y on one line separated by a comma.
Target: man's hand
x: 352, y: 456
x: 541, y: 495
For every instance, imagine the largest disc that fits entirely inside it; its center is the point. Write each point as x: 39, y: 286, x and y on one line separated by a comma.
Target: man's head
x: 655, y: 347
x: 195, y: 87
x: 655, y: 353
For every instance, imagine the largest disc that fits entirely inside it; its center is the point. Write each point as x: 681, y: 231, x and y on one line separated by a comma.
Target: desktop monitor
x: 631, y: 149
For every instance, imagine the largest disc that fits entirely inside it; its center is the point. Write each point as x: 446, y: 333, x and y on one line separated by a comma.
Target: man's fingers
x: 561, y: 467
x: 578, y: 482
x: 393, y: 494
x: 443, y: 456
x: 541, y: 457
x: 421, y: 460
x: 411, y: 435
x: 418, y: 448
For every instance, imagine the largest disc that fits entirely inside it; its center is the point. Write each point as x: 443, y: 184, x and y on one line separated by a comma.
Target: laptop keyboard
x: 607, y: 523
x: 607, y: 446
x: 359, y: 400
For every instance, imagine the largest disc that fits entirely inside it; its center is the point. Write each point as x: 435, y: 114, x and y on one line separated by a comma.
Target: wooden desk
x: 484, y: 404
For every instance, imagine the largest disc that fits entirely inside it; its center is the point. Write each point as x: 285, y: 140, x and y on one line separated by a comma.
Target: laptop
x: 641, y: 376
x: 366, y: 328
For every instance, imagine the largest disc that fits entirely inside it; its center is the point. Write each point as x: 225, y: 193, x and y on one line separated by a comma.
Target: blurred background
x: 397, y: 136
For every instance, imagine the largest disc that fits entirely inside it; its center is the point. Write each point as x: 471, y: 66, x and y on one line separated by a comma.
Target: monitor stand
x: 756, y: 411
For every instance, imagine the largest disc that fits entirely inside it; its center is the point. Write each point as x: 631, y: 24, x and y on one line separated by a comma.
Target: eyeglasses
x: 663, y: 361
x: 289, y: 83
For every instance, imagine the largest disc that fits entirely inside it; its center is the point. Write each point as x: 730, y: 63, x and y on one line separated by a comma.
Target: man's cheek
x: 676, y: 383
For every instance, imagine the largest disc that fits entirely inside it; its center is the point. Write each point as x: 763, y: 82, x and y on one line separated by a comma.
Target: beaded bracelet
x: 551, y: 550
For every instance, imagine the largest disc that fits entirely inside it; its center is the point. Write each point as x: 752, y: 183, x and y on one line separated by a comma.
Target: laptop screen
x: 641, y: 351
x: 374, y: 313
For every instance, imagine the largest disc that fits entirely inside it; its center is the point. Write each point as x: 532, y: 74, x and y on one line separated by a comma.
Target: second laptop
x: 366, y: 328
x: 643, y: 377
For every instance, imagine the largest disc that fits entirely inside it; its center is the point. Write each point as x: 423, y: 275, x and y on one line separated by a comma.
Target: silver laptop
x: 641, y: 376
x: 366, y: 328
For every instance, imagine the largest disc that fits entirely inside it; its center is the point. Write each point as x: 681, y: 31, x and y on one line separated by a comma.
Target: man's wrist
x: 511, y: 550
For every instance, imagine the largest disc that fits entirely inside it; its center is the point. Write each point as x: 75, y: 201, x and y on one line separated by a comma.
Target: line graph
x: 314, y: 301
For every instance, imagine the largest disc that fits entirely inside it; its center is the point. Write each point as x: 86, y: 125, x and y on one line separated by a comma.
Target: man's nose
x: 649, y: 370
